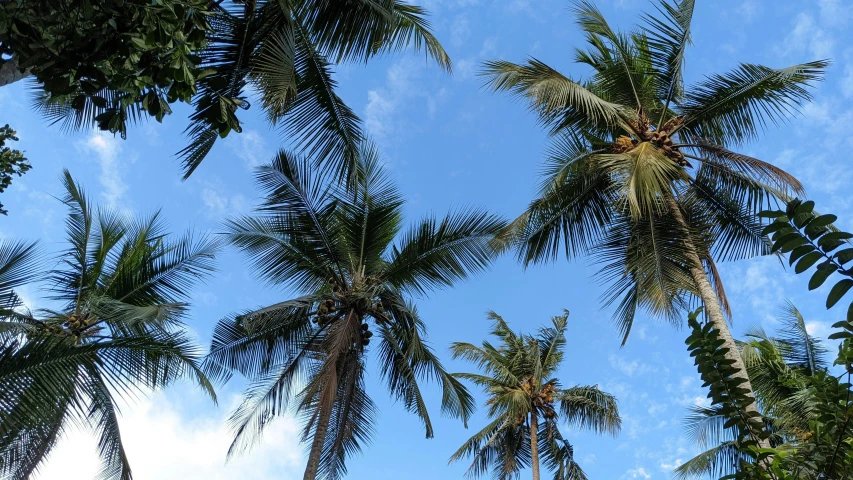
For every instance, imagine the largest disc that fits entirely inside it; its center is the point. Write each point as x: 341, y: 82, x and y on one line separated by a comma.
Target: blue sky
x: 449, y: 143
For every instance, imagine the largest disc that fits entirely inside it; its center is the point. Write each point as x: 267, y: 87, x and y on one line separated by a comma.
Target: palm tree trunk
x: 326, y: 404
x: 534, y: 444
x: 715, y: 313
x: 9, y: 72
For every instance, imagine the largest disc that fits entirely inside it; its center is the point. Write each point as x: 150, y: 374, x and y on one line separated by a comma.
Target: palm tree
x: 526, y: 404
x: 341, y: 248
x: 120, y: 291
x: 640, y: 174
x: 785, y: 370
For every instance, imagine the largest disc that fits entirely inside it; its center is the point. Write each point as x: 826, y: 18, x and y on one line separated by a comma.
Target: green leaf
x: 838, y: 291
x: 844, y: 256
x: 832, y: 238
x: 807, y: 261
x: 771, y: 214
x: 823, y: 272
x: 799, y: 252
x: 784, y: 239
x: 850, y: 315
x: 805, y: 207
x: 823, y: 220
x: 776, y: 227
x: 839, y: 335
x: 792, y: 244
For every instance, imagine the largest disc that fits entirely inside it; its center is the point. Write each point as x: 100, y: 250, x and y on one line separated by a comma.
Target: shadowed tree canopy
x: 110, y: 64
x: 105, y: 64
x: 12, y: 162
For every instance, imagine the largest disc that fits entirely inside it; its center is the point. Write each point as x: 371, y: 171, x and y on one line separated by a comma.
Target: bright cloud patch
x: 163, y: 444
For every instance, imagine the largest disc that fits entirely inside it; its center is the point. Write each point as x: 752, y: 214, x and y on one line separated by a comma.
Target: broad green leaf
x: 799, y: 252
x: 823, y: 272
x: 838, y: 291
x: 807, y: 261
x: 823, y: 220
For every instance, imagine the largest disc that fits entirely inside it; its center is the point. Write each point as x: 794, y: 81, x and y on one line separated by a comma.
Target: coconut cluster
x: 543, y: 399
x: 660, y: 138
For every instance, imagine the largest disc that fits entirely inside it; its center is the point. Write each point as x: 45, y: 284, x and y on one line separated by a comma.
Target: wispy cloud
x: 107, y: 149
x: 250, y: 147
x: 630, y: 368
x: 218, y: 203
x: 639, y: 472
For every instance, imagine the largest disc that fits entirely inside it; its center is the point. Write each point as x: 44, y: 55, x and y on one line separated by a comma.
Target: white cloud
x: 630, y: 368
x: 163, y: 444
x: 748, y: 9
x: 107, y: 149
x: 218, y: 203
x: 638, y: 472
x: 818, y: 329
x: 382, y: 117
x: 846, y: 83
x: 670, y: 466
x: 808, y: 36
x: 835, y: 13
x: 250, y: 147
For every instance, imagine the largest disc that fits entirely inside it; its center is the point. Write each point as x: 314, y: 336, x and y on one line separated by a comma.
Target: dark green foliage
x: 121, y: 287
x: 12, y: 162
x: 107, y: 63
x: 729, y: 400
x: 808, y: 238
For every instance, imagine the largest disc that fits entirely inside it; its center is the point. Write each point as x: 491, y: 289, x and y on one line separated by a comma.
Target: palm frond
x: 436, y: 253
x: 551, y: 95
x: 589, y: 407
x: 732, y: 108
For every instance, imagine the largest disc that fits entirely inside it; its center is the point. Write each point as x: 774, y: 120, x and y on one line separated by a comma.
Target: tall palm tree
x: 526, y: 403
x: 342, y: 249
x: 120, y: 291
x: 641, y: 174
x: 785, y: 370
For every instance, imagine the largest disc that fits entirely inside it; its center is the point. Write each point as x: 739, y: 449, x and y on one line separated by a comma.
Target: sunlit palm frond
x: 551, y: 94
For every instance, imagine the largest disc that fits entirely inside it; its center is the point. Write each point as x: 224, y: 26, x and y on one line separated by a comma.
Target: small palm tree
x: 785, y: 370
x: 342, y: 249
x: 120, y: 289
x: 641, y: 175
x: 526, y: 403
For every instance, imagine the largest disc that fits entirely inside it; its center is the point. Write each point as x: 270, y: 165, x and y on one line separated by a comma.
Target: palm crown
x: 120, y: 287
x: 518, y: 377
x: 343, y: 250
x: 640, y: 162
